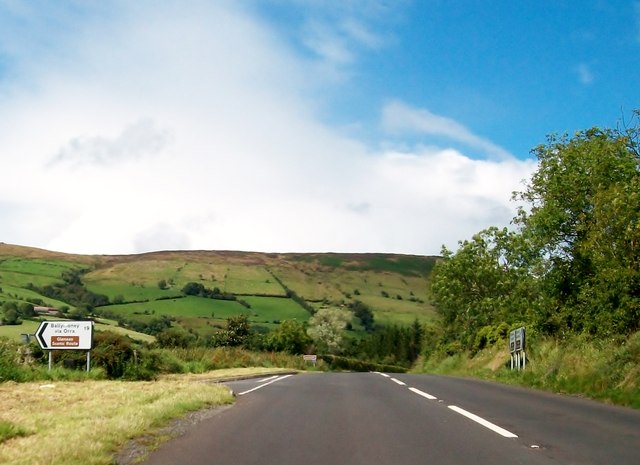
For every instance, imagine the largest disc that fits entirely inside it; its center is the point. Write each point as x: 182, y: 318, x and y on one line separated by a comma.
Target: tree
x: 192, y: 288
x: 326, y: 327
x: 572, y: 265
x: 10, y: 314
x: 487, y: 279
x: 290, y: 336
x: 11, y: 317
x: 237, y: 332
x: 25, y: 309
x: 570, y: 223
x: 175, y: 337
x: 364, y: 314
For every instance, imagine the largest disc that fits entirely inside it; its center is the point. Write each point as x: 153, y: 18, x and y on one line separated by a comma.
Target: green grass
x: 18, y: 279
x: 183, y: 307
x: 406, y: 265
x: 139, y: 281
x: 269, y: 309
x: 50, y: 268
x: 604, y: 370
x: 309, y: 285
x: 15, y: 332
x: 9, y: 430
x: 24, y: 295
x: 251, y: 280
x: 132, y: 293
x: 263, y: 309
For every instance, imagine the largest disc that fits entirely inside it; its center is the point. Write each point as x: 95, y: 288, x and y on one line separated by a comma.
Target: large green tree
x: 581, y: 221
x: 572, y: 262
x: 485, y: 282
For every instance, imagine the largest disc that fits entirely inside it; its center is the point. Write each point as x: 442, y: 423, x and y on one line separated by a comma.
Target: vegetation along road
x: 376, y: 418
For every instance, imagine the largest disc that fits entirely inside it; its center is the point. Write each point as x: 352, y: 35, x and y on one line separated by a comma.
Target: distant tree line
x: 73, y: 291
x: 199, y: 290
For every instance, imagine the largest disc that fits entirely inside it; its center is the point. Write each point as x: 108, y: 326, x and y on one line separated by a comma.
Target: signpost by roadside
x: 517, y: 346
x: 65, y: 335
x: 310, y: 358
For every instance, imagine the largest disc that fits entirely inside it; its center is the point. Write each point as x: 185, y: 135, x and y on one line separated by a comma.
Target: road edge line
x: 263, y: 385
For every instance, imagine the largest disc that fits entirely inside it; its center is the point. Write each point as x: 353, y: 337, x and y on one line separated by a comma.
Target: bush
x: 112, y: 352
x: 9, y: 369
x: 352, y: 364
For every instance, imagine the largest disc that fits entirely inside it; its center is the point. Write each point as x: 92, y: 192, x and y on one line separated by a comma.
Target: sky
x: 293, y: 125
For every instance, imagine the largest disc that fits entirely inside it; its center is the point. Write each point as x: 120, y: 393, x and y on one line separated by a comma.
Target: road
x: 380, y: 419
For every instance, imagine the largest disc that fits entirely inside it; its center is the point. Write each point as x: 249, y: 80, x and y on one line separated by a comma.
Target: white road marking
x: 422, y: 393
x: 263, y: 385
x: 397, y: 381
x: 267, y: 379
x: 381, y: 374
x: 483, y: 422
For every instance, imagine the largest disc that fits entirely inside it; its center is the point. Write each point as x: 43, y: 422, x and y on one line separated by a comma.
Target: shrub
x: 112, y: 352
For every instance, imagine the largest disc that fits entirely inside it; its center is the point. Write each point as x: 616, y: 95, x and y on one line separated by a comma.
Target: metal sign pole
x: 50, y: 359
x: 88, y: 361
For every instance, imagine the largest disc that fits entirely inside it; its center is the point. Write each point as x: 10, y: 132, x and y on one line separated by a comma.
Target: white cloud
x: 399, y: 117
x: 585, y: 75
x: 136, y: 140
x: 195, y: 128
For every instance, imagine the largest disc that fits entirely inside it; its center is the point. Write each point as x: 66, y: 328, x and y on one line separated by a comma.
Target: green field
x: 393, y: 286
x: 30, y: 327
x: 275, y: 309
x: 263, y: 309
x: 139, y: 281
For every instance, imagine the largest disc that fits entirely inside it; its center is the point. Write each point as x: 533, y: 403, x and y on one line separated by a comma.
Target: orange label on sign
x: 65, y: 341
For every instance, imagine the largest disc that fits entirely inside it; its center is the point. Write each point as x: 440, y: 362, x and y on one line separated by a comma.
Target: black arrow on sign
x: 43, y: 343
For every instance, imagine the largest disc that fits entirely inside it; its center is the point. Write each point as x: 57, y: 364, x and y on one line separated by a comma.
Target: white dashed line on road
x: 487, y: 424
x: 422, y: 393
x: 483, y: 422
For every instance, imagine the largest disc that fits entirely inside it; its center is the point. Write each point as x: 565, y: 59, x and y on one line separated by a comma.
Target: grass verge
x: 85, y: 423
x: 608, y: 371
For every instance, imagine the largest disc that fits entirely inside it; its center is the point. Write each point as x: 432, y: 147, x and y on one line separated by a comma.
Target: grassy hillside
x: 148, y: 286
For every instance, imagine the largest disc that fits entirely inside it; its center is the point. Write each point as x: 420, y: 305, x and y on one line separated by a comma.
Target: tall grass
x: 200, y: 359
x: 606, y: 370
x: 87, y: 423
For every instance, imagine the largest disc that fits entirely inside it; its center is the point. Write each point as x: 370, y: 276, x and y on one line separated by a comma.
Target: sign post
x: 517, y: 347
x: 310, y: 358
x: 65, y: 335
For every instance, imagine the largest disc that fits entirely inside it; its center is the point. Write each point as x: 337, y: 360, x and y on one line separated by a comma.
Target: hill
x: 146, y: 289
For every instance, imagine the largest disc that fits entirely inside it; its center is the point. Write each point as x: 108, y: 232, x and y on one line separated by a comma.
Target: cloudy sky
x: 292, y: 125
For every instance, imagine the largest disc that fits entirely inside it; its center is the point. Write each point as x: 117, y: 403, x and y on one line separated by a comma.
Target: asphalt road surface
x: 382, y: 419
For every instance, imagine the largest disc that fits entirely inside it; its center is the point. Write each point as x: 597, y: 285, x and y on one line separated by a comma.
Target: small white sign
x: 65, y: 335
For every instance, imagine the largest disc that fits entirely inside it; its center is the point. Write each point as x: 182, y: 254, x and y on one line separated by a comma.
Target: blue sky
x: 291, y: 125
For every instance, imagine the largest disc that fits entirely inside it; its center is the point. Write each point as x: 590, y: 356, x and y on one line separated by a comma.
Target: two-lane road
x: 372, y: 418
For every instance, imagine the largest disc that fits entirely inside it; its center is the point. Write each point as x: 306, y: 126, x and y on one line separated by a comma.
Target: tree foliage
x: 326, y: 329
x: 572, y: 265
x: 290, y: 336
x: 237, y: 332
